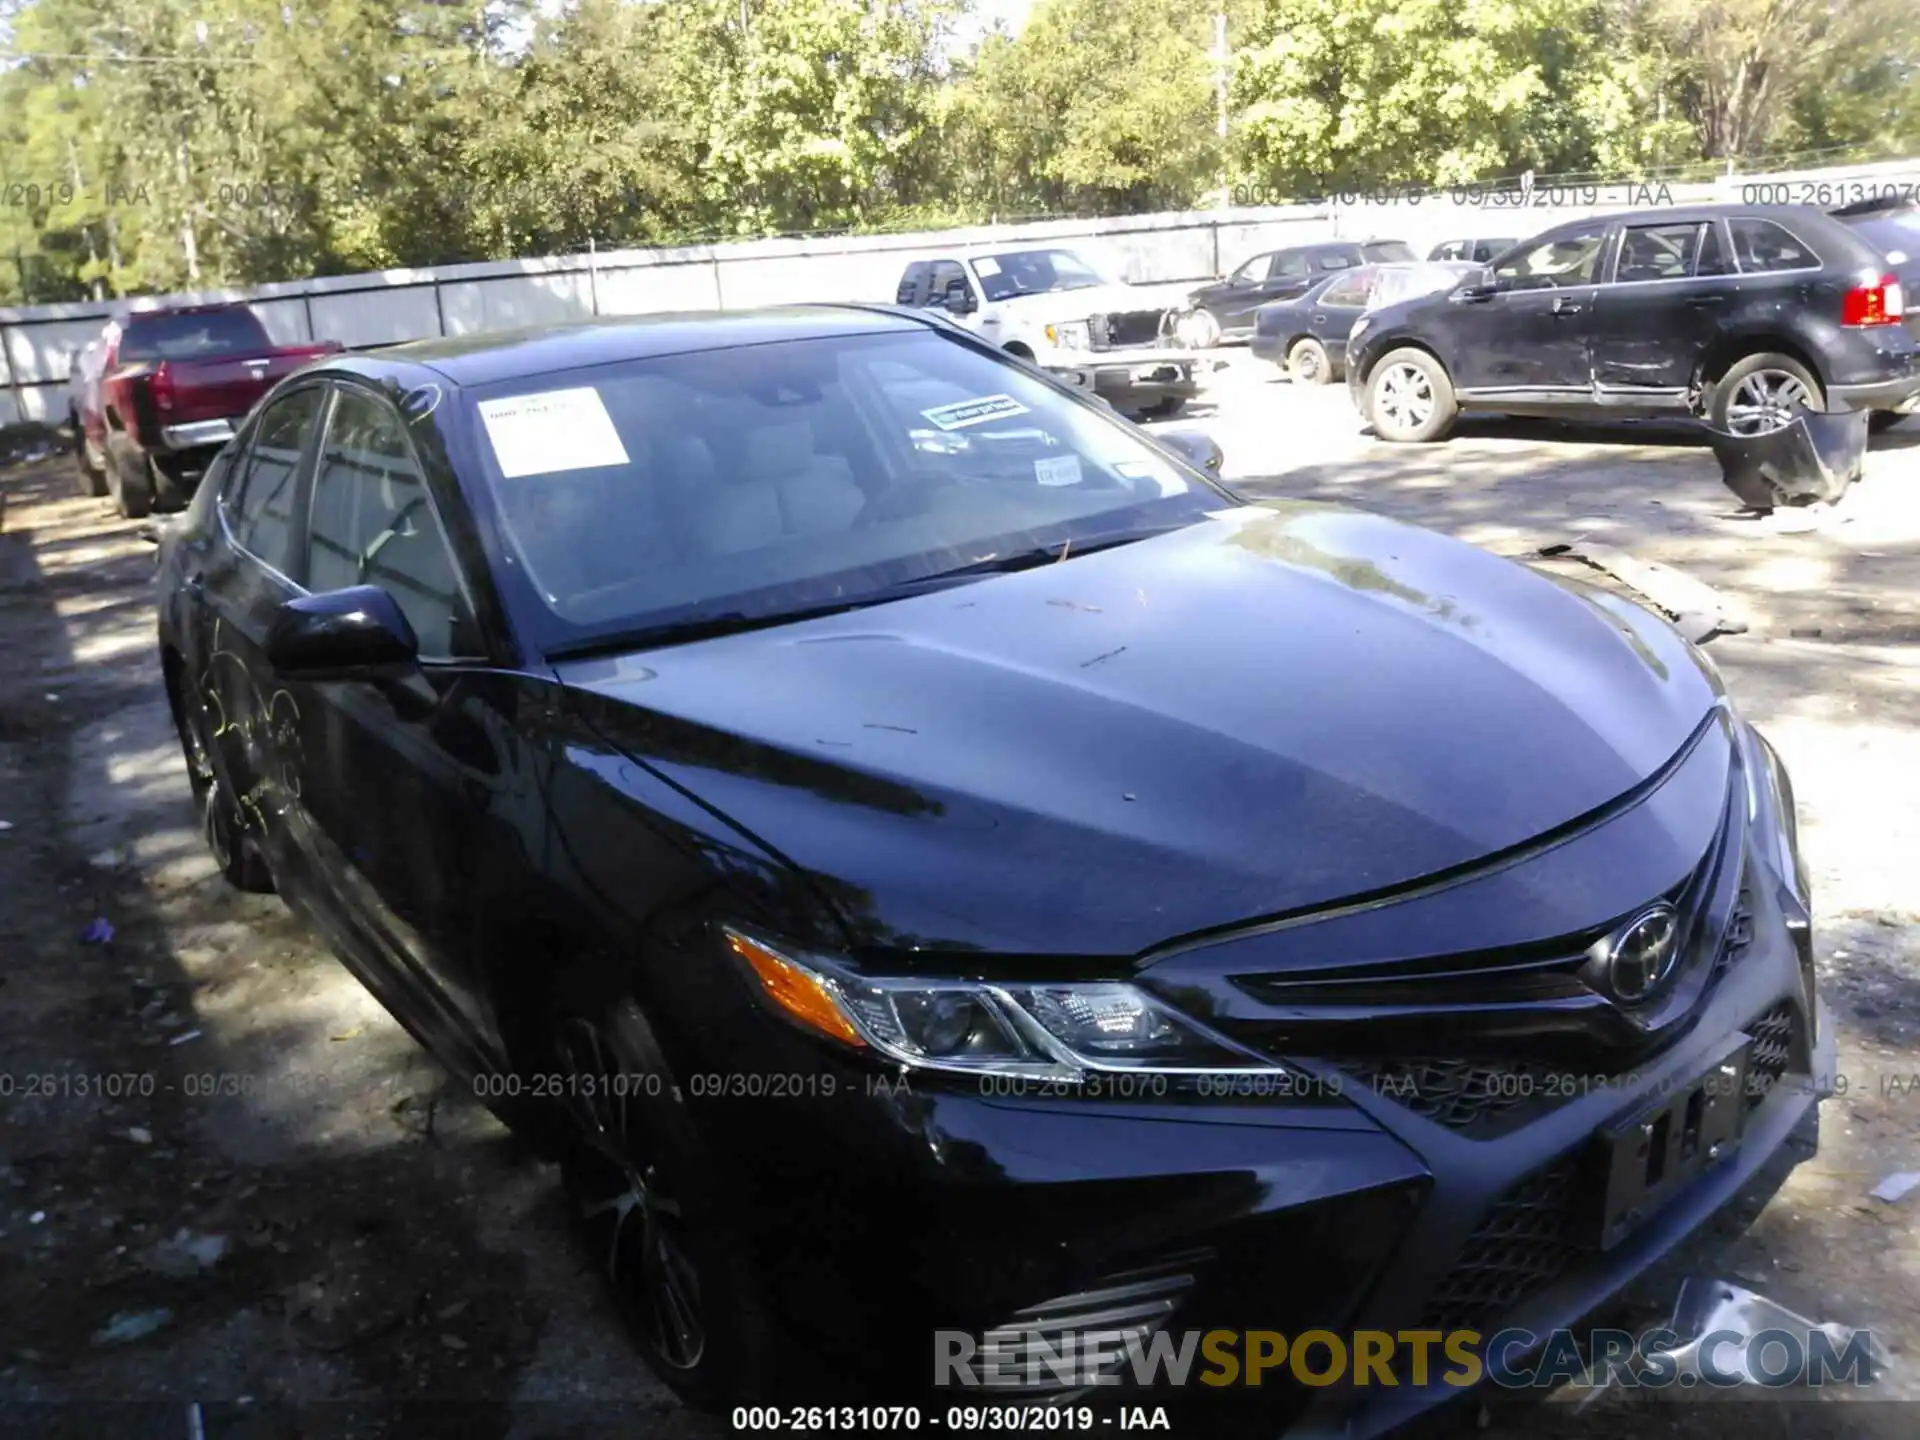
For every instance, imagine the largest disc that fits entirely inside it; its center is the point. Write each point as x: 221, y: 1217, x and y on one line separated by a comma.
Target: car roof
x: 1693, y: 214
x: 497, y: 355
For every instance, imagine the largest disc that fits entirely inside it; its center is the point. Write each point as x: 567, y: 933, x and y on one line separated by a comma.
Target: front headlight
x: 1070, y: 335
x: 1051, y: 1032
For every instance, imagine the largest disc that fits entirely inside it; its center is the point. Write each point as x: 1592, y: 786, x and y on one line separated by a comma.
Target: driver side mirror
x: 1479, y: 288
x: 355, y: 634
x: 959, y: 298
x: 1196, y: 447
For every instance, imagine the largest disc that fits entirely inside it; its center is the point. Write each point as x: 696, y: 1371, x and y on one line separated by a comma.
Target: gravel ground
x: 228, y: 1179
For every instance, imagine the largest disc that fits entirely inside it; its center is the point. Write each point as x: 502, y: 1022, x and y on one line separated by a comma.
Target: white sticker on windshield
x: 962, y: 413
x: 1160, y: 473
x: 1061, y: 470
x: 550, y: 432
x: 986, y: 267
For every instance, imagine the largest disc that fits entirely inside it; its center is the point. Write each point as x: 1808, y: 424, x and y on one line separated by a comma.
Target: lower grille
x: 1739, y: 934
x: 1482, y: 1100
x: 1040, y: 1345
x: 1772, y: 1052
x: 1529, y: 1238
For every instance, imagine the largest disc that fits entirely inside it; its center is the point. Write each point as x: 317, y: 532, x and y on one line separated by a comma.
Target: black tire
x: 1881, y: 421
x: 1309, y: 364
x: 1742, y: 386
x: 1429, y: 408
x: 648, y: 1199
x: 93, y: 479
x: 222, y: 825
x: 132, y: 487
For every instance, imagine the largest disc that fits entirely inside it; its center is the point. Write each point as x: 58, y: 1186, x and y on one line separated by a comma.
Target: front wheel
x: 1763, y: 393
x: 647, y: 1202
x: 1410, y: 398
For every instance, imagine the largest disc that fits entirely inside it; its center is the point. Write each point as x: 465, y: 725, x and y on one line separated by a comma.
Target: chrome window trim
x: 336, y: 387
x: 251, y: 433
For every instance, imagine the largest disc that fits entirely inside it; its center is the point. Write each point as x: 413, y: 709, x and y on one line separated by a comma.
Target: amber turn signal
x: 799, y: 992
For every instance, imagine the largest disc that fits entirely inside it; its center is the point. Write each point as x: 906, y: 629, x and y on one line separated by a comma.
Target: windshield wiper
x: 739, y: 622
x: 1049, y: 554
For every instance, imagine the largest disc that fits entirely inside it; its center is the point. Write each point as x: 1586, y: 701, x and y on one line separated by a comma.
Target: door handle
x: 1562, y: 306
x: 196, y: 585
x: 1706, y: 302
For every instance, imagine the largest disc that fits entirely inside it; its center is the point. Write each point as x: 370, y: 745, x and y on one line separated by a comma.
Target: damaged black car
x: 926, y: 858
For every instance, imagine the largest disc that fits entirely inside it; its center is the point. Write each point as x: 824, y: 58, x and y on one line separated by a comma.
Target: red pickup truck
x: 174, y: 386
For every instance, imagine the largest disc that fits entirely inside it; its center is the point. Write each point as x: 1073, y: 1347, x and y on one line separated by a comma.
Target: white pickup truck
x: 1049, y: 306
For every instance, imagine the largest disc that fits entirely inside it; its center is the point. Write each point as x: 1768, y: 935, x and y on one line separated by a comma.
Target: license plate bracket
x: 1653, y: 1153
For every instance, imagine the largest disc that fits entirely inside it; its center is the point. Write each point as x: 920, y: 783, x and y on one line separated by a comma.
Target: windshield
x: 193, y: 335
x: 782, y: 477
x: 1032, y: 272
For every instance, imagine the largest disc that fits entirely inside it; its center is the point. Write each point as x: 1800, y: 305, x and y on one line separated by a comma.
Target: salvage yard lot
x: 355, y: 1225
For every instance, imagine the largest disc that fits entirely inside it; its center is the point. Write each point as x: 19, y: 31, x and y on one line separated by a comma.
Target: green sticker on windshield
x: 962, y: 413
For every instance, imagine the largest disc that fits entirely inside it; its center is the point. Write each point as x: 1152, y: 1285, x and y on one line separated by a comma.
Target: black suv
x: 1737, y: 313
x: 1224, y: 309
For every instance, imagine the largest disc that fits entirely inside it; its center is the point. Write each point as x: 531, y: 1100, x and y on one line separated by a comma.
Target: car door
x: 403, y: 784
x: 1658, y: 315
x: 1531, y: 335
x: 1336, y: 306
x: 1235, y: 298
x: 236, y: 584
x: 1289, y: 274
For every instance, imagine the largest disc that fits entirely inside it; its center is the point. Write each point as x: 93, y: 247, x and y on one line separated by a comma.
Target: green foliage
x: 199, y: 143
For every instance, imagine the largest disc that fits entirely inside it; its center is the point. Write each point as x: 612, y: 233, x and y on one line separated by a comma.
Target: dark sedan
x: 925, y: 856
x: 1309, y: 335
x: 1224, y: 309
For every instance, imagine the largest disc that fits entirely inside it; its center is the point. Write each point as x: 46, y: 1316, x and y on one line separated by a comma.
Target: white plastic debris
x: 140, y: 1135
x: 1897, y: 1187
x: 131, y: 1325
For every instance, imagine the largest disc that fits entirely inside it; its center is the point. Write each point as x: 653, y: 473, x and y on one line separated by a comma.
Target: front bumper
x: 197, y: 435
x: 1129, y: 376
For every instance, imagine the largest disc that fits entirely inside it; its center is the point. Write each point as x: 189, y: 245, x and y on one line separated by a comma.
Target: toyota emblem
x: 1642, y: 954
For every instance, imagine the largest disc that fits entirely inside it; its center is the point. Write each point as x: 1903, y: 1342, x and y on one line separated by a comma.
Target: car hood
x: 1265, y: 712
x: 1079, y: 304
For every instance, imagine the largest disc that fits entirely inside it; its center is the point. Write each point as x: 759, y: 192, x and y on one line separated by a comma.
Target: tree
x: 1103, y: 106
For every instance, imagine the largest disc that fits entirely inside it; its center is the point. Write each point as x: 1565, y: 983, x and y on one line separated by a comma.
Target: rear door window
x: 260, y: 504
x: 1766, y: 246
x: 1658, y: 252
x: 1349, y: 290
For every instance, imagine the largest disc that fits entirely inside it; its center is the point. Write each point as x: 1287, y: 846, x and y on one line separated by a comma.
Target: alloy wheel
x: 1766, y: 401
x: 623, y: 1198
x: 1404, y: 397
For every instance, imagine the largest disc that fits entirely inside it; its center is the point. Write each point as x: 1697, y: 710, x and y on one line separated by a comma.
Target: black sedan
x: 923, y: 854
x: 1309, y: 335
